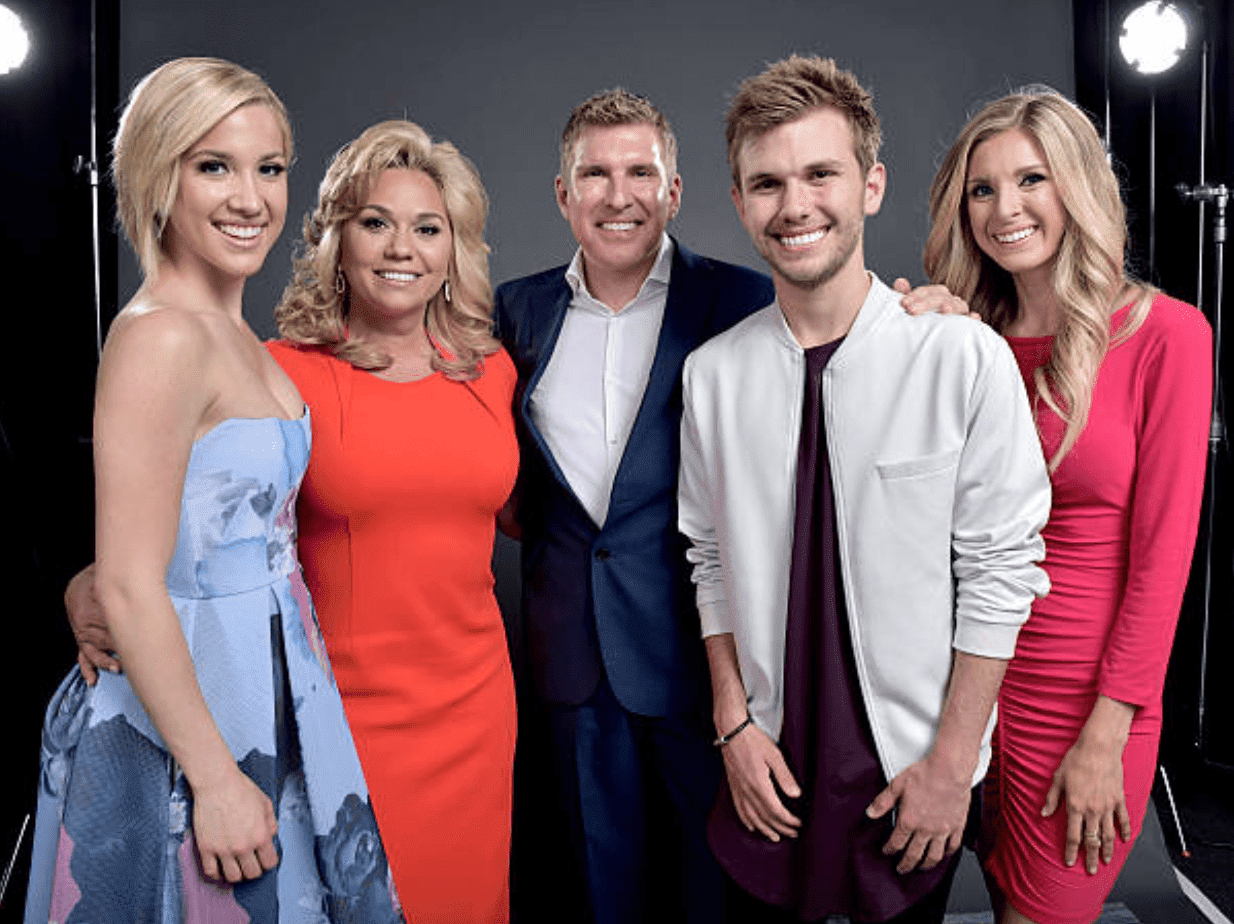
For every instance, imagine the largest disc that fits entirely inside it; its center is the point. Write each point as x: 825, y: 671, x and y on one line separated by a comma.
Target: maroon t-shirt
x: 836, y: 864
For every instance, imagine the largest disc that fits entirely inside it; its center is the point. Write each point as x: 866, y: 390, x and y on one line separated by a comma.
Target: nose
x: 618, y: 192
x: 245, y: 198
x: 1007, y: 202
x: 399, y: 243
x: 796, y: 203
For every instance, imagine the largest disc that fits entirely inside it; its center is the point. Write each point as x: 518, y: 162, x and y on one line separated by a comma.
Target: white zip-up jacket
x: 940, y: 493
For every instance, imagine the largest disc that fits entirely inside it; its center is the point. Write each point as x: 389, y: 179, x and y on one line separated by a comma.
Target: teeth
x: 397, y: 277
x: 1014, y: 236
x: 242, y: 231
x: 618, y: 226
x: 801, y: 240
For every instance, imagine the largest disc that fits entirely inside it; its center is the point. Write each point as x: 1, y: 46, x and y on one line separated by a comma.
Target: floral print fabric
x: 114, y: 839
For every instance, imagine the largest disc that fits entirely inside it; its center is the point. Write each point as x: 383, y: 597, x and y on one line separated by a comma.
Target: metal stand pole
x: 1178, y: 826
x: 1219, y: 195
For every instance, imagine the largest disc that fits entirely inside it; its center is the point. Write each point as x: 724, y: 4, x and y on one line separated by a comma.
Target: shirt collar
x: 661, y: 270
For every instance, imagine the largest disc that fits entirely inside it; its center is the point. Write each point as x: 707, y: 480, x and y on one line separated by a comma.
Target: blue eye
x: 980, y: 190
x: 1032, y: 179
x: 273, y: 170
x: 211, y: 166
x: 428, y: 230
x: 372, y: 223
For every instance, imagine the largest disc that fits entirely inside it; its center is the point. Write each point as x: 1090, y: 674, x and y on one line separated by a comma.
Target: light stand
x: 90, y: 167
x: 1219, y: 195
x: 1153, y: 39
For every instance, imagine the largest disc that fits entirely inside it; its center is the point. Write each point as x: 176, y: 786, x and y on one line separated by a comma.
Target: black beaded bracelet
x: 725, y: 739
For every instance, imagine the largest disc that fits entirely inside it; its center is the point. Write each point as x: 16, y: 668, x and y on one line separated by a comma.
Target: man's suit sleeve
x: 1002, y: 501
x: 696, y: 515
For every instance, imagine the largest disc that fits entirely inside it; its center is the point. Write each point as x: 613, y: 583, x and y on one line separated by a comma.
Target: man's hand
x: 933, y: 801
x: 89, y: 625
x: 751, y: 760
x: 924, y: 299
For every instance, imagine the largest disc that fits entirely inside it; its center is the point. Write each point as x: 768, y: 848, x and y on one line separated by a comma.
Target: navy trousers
x: 611, y: 811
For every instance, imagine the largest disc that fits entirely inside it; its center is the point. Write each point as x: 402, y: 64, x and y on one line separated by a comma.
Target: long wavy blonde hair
x: 1089, y: 273
x: 314, y: 307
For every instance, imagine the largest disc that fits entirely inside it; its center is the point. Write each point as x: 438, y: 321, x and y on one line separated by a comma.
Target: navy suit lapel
x: 686, y: 315
x: 550, y: 317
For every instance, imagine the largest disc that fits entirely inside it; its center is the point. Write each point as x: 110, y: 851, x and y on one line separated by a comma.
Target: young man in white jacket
x: 863, y: 492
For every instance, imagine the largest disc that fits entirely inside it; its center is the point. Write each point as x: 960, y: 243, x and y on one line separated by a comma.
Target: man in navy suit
x: 610, y: 636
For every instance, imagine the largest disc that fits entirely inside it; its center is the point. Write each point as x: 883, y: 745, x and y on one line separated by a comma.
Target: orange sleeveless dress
x: 397, y: 515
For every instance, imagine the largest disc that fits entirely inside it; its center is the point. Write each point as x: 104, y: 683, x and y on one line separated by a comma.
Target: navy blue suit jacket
x: 615, y: 598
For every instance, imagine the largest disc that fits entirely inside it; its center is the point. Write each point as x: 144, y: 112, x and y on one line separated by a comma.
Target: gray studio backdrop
x: 500, y: 78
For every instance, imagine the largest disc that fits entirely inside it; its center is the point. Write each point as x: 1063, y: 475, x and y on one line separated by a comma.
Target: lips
x: 243, y: 233
x: 804, y: 239
x: 1014, y: 237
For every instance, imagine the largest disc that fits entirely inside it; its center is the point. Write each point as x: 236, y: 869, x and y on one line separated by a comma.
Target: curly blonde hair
x: 168, y: 112
x: 314, y: 311
x: 1089, y: 272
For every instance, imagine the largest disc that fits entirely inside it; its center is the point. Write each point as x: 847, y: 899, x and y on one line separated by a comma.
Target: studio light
x: 1154, y: 37
x: 14, y: 41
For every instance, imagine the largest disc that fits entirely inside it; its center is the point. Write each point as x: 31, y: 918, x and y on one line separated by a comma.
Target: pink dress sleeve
x: 1175, y: 395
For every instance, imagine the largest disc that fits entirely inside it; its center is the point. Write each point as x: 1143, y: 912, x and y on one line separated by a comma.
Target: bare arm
x: 933, y: 794
x: 95, y: 646
x: 151, y: 399
x: 751, y: 758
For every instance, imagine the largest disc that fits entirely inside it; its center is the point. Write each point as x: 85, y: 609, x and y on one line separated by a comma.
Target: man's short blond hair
x: 617, y: 107
x: 788, y: 89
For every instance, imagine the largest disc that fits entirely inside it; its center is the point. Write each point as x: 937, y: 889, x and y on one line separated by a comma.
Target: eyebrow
x: 596, y: 165
x: 1028, y: 168
x: 223, y: 155
x: 419, y: 216
x: 827, y: 164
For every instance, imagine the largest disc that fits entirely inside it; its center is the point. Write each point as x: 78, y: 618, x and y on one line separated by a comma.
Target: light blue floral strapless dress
x: 114, y: 840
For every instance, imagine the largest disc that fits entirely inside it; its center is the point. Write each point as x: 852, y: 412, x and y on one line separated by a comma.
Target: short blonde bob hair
x: 786, y: 91
x: 314, y: 306
x: 1089, y: 273
x: 169, y: 111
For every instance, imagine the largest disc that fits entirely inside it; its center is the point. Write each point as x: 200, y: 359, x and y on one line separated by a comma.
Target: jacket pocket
x: 916, y: 468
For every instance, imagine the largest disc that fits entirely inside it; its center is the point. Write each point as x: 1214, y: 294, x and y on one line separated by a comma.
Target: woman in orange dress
x: 389, y: 340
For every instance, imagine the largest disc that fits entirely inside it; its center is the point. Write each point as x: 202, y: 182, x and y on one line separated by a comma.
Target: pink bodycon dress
x: 1119, y: 543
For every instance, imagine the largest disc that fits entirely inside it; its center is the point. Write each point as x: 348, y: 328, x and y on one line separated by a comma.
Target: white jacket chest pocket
x: 921, y: 467
x: 917, y: 497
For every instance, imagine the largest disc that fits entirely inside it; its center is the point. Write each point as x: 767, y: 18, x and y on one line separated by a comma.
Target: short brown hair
x: 617, y: 107
x: 786, y: 90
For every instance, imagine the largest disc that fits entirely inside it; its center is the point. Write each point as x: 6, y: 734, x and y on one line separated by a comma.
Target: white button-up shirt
x: 586, y: 400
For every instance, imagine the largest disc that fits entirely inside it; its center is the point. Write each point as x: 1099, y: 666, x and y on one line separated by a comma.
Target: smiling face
x: 395, y: 252
x: 803, y: 198
x: 1015, y: 211
x: 618, y: 198
x: 231, y: 197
